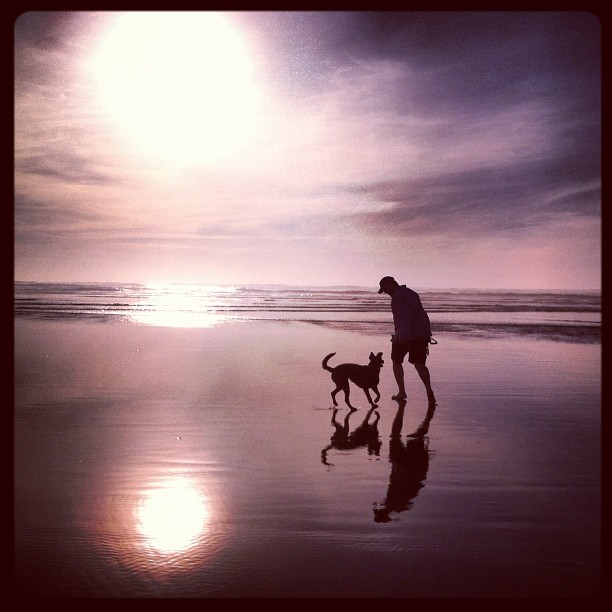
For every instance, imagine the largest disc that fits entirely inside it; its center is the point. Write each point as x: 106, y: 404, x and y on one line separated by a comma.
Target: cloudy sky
x: 318, y: 148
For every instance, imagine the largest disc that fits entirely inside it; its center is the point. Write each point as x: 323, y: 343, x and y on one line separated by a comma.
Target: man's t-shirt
x: 409, y: 317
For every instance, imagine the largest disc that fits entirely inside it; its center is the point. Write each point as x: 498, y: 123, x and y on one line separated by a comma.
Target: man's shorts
x: 417, y: 351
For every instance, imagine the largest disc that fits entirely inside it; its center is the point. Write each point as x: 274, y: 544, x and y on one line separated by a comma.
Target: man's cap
x: 385, y: 281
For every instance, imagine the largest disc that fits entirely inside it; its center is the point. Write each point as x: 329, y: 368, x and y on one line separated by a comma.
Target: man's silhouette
x: 412, y: 334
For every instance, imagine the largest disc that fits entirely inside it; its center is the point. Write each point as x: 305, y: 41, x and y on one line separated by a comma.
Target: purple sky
x: 450, y: 150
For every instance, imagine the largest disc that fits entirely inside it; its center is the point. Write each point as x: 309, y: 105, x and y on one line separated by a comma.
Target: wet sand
x: 167, y: 462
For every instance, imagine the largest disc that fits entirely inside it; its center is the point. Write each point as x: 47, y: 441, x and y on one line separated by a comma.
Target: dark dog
x: 364, y: 376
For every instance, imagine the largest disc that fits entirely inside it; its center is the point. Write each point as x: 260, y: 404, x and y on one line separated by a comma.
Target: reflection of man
x: 409, y: 465
x: 411, y: 337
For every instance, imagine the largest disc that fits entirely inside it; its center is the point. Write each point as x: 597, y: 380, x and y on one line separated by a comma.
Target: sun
x: 180, y: 86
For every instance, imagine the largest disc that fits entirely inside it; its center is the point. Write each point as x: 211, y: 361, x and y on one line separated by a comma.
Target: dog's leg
x: 375, y: 389
x: 367, y: 392
x: 347, y: 392
x: 333, y: 395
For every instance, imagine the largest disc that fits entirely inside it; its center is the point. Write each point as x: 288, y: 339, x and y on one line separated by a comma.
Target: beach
x: 163, y: 462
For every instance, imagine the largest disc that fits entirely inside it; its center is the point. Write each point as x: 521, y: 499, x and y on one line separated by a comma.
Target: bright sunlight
x: 167, y: 305
x: 173, y: 515
x: 179, y: 85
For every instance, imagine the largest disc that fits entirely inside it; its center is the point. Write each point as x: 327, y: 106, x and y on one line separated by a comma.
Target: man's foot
x: 399, y: 396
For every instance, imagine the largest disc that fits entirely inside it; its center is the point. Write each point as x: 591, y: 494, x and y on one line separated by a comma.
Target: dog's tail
x: 324, y: 364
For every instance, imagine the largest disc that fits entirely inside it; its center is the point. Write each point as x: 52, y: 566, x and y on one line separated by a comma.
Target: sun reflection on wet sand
x: 158, y: 525
x: 173, y: 515
x: 181, y: 306
x: 176, y: 318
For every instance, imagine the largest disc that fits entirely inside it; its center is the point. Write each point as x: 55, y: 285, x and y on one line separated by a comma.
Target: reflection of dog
x: 365, y: 434
x: 364, y: 376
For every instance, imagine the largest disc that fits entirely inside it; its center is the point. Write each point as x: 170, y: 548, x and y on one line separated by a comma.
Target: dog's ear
x: 380, y: 354
x: 371, y: 355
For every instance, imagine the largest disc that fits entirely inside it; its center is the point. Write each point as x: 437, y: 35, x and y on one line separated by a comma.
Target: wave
x: 569, y: 315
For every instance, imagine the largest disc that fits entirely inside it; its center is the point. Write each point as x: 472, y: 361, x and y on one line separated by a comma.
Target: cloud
x: 460, y: 129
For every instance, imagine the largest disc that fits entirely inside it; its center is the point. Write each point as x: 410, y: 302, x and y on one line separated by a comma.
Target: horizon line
x: 294, y: 285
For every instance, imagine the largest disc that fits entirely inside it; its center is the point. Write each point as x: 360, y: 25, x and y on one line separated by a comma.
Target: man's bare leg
x: 398, y: 372
x: 423, y: 372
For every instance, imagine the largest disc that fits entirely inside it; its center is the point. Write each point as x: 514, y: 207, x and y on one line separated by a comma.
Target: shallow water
x: 164, y: 462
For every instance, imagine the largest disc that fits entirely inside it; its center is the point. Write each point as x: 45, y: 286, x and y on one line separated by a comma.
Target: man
x: 411, y: 337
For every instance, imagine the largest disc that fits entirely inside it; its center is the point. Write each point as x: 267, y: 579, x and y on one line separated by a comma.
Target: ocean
x: 565, y: 315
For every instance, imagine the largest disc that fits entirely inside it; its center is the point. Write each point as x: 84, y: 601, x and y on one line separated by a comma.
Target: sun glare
x: 181, y: 305
x: 179, y: 85
x: 173, y: 515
